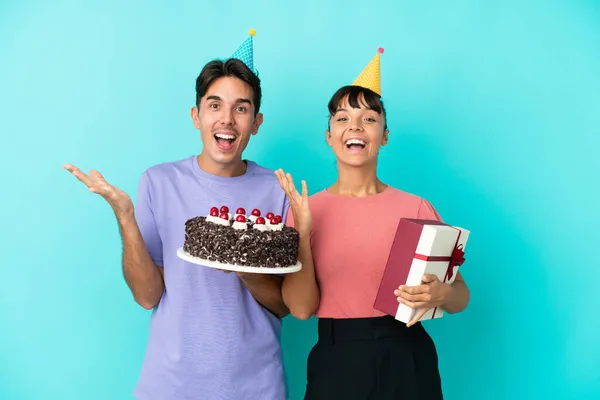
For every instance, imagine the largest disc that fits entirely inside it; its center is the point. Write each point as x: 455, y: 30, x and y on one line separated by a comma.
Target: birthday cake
x: 243, y: 240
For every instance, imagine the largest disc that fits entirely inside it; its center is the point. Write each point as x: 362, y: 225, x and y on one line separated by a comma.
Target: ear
x: 257, y: 123
x: 195, y: 117
x: 328, y: 137
x: 384, y: 139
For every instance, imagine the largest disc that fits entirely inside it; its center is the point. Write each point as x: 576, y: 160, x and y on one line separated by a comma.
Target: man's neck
x: 231, y: 170
x: 357, y: 181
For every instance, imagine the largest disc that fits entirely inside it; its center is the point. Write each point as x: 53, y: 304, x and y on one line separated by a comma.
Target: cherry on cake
x: 244, y: 240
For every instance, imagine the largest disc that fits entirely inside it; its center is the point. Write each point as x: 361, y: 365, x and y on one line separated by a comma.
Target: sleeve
x: 427, y: 211
x: 146, y: 221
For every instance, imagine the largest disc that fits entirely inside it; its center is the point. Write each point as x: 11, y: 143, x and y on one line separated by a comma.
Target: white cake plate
x: 237, y: 268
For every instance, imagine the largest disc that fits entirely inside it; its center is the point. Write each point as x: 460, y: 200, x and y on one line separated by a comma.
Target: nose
x: 226, y: 117
x: 356, y: 126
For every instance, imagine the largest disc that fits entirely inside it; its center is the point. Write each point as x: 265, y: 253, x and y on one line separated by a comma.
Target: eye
x: 342, y: 119
x: 214, y: 106
x: 241, y: 109
x: 370, y: 119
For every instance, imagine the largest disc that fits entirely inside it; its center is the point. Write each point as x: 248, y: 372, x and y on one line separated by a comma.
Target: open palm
x: 119, y: 200
x: 298, y: 202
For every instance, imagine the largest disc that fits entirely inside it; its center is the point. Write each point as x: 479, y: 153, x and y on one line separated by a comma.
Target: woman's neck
x: 357, y: 181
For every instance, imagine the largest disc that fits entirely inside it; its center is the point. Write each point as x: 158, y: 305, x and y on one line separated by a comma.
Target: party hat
x: 370, y: 76
x: 246, y: 51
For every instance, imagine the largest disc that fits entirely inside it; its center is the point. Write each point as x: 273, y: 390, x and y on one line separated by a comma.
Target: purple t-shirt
x: 209, y: 338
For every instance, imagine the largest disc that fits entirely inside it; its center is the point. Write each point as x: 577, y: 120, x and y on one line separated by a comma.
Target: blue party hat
x: 246, y: 51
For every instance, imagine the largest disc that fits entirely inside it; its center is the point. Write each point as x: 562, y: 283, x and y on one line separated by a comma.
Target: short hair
x: 231, y: 67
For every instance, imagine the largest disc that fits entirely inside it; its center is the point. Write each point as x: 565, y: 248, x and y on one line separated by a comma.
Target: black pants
x: 372, y: 358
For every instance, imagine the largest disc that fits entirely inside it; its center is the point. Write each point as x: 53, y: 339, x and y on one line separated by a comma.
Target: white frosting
x: 252, y: 218
x: 276, y: 227
x: 217, y: 220
x: 212, y: 219
x: 240, y: 225
x: 261, y: 227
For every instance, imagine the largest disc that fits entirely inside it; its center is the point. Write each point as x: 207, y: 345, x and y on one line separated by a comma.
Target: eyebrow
x: 238, y: 101
x: 343, y: 109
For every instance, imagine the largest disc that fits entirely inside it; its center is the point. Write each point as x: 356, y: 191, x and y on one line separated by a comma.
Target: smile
x: 225, y: 141
x: 355, y: 144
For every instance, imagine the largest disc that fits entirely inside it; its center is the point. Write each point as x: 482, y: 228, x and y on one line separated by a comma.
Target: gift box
x: 420, y: 247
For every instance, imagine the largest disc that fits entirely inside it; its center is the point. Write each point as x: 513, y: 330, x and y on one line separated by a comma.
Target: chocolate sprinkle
x: 247, y: 248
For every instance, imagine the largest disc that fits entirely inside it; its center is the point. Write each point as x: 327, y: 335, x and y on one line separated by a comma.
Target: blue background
x: 494, y: 110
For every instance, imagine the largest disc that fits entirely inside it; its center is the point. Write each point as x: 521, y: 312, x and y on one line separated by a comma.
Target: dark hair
x: 232, y: 67
x: 353, y: 93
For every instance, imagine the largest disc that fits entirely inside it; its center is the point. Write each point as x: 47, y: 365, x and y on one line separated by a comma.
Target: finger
x: 412, y: 304
x: 304, y: 190
x: 279, y: 174
x: 418, y: 289
x: 282, y: 181
x: 285, y: 184
x: 78, y: 174
x: 428, y: 278
x: 414, y: 297
x: 290, y: 181
x: 418, y: 315
x: 292, y: 187
x: 97, y: 175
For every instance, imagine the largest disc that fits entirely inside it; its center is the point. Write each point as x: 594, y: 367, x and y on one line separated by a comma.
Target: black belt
x: 332, y: 330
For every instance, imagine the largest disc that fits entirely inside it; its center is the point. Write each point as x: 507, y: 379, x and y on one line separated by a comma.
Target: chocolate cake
x: 243, y: 240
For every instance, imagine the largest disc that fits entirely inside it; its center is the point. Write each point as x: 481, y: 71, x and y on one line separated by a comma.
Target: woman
x: 346, y: 232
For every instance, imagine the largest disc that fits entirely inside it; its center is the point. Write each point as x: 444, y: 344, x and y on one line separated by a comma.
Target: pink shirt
x: 351, y: 238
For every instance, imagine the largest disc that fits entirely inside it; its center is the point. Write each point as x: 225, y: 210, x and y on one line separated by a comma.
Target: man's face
x: 225, y: 118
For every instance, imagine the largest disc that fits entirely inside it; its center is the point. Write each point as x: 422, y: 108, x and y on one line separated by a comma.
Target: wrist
x: 125, y: 218
x: 305, y: 237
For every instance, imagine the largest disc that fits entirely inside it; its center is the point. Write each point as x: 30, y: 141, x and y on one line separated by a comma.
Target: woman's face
x: 356, y: 134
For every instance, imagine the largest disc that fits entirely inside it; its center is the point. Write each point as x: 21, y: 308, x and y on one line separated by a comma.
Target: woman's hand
x: 430, y: 294
x: 298, y: 202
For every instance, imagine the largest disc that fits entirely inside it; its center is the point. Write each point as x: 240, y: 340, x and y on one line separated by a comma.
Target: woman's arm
x: 458, y: 296
x: 299, y: 290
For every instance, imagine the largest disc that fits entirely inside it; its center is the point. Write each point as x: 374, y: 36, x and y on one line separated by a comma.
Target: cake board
x: 236, y: 268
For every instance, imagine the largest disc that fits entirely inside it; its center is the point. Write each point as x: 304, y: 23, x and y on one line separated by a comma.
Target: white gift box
x: 420, y: 247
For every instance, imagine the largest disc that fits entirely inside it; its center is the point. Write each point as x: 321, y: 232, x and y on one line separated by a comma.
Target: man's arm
x: 143, y: 277
x: 266, y: 289
x: 141, y: 273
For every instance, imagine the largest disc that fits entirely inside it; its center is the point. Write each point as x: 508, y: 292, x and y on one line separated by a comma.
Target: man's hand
x: 144, y: 278
x: 266, y: 290
x: 431, y: 293
x: 119, y: 200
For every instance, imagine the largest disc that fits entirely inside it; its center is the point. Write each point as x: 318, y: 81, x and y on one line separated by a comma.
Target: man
x: 213, y: 335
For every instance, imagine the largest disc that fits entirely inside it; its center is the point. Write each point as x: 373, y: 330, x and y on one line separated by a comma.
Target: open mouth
x: 355, y: 144
x: 225, y: 140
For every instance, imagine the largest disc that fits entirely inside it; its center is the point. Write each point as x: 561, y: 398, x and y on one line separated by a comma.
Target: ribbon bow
x: 456, y: 260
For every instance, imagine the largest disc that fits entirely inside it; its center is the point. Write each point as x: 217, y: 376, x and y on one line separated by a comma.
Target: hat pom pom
x: 380, y: 50
x: 252, y: 32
